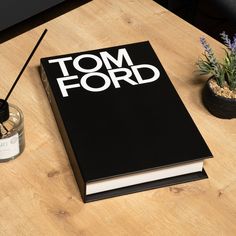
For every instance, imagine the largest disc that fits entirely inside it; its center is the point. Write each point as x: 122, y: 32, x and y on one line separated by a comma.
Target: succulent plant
x: 223, y: 72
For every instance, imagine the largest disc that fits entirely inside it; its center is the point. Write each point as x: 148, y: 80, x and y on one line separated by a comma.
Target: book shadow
x: 68, y: 179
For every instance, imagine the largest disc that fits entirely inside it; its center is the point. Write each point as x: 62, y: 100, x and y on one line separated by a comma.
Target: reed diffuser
x: 12, y: 139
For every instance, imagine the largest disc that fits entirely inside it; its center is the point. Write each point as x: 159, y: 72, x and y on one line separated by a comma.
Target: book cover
x: 123, y: 124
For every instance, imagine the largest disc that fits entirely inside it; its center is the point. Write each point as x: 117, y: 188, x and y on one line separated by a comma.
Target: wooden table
x: 38, y: 193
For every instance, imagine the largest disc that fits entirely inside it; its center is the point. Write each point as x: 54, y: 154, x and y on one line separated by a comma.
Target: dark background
x: 211, y: 16
x: 19, y: 16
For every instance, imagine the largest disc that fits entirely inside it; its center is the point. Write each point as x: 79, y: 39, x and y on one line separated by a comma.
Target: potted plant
x: 219, y: 93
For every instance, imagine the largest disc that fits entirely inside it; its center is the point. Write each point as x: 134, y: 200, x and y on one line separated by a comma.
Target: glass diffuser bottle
x: 12, y: 140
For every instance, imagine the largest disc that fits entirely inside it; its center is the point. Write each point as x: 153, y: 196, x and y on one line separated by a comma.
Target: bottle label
x: 9, y: 147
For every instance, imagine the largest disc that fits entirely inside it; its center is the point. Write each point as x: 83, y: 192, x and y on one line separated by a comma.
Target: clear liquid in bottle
x: 12, y: 140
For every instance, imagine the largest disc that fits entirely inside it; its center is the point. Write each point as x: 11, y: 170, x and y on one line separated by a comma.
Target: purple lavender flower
x: 208, y: 51
x: 224, y: 72
x: 231, y: 45
x: 234, y: 44
x: 226, y: 40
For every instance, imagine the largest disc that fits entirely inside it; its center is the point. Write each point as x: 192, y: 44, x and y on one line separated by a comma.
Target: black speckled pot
x: 217, y: 105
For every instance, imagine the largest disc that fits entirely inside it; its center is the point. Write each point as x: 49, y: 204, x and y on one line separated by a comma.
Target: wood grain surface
x: 38, y: 192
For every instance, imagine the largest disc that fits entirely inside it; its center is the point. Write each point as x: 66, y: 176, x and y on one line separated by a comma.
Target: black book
x: 123, y: 124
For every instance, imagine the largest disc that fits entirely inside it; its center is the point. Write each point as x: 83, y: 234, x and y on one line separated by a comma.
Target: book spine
x: 62, y: 130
